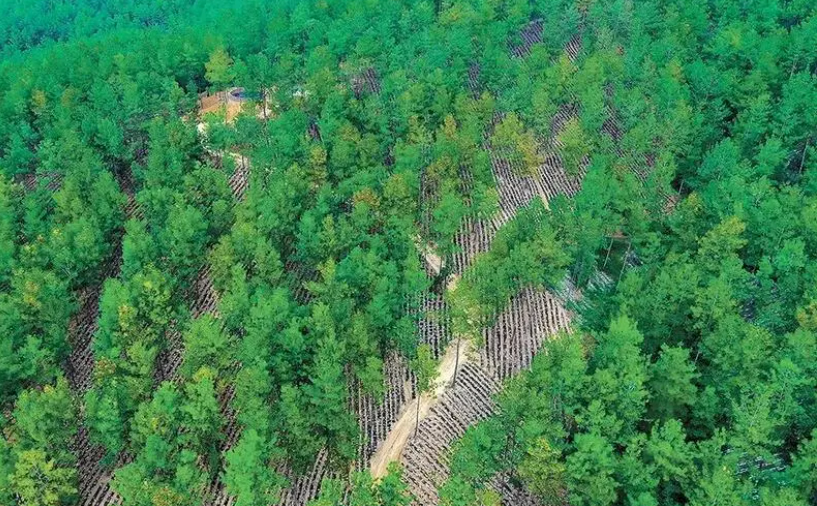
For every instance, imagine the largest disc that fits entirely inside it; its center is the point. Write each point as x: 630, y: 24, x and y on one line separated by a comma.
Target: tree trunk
x: 438, y: 285
x: 456, y: 364
x: 417, y: 416
x: 606, y: 258
x: 624, y: 262
x: 803, y: 159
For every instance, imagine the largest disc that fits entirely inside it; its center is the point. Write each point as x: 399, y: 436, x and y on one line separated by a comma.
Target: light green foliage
x: 425, y: 367
x: 543, y: 108
x: 247, y: 475
x: 364, y: 491
x: 138, y: 311
x: 184, y: 485
x: 206, y: 345
x: 392, y: 490
x: 543, y: 472
x: 590, y: 470
x: 134, y: 318
x: 219, y: 68
x: 36, y: 311
x: 7, y: 461
x: 39, y: 481
x: 200, y: 413
x: 575, y: 146
x: 172, y: 431
x: 207, y: 190
x: 79, y: 239
x: 477, y: 454
x: 696, y: 396
x: 183, y: 239
x: 46, y: 419
x: 139, y: 248
x: 512, y: 140
x: 37, y: 462
x: 298, y: 438
x: 105, y: 419
x: 448, y: 218
x: 326, y: 394
x: 617, y: 383
x: 526, y: 252
x: 457, y: 492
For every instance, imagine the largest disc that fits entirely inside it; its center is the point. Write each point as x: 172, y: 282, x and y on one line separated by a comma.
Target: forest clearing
x: 370, y: 253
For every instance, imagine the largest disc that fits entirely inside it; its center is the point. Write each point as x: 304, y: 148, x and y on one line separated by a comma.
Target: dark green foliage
x: 685, y: 380
x: 689, y: 378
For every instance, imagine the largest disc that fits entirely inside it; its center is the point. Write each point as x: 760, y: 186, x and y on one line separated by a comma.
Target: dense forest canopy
x: 28, y: 25
x: 237, y: 237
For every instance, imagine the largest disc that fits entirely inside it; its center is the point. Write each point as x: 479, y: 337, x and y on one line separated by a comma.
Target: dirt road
x: 403, y: 428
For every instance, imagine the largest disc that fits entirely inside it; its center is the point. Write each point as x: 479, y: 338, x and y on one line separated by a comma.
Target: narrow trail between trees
x: 456, y: 354
x: 403, y: 428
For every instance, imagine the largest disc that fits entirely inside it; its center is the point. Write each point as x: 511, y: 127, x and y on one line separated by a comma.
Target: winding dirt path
x: 403, y: 428
x: 456, y: 354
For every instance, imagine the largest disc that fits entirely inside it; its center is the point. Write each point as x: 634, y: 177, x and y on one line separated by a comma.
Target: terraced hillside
x: 461, y: 252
